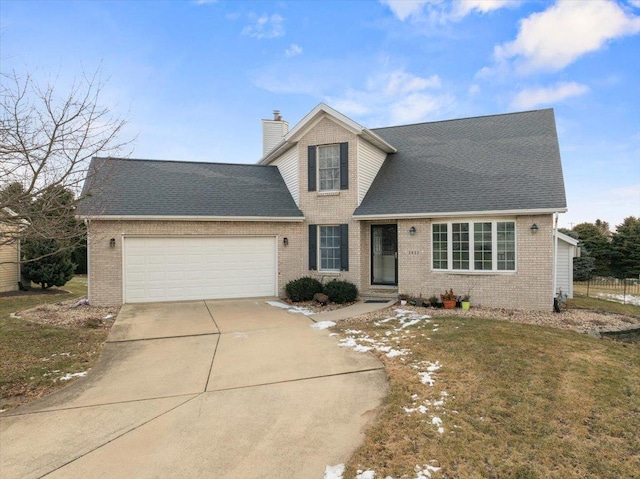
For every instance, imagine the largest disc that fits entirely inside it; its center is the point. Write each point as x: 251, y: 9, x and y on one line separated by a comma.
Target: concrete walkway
x: 207, y: 389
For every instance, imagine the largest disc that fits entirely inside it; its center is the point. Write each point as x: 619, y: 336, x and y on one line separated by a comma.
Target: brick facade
x: 529, y: 287
x: 331, y: 208
x: 105, y: 263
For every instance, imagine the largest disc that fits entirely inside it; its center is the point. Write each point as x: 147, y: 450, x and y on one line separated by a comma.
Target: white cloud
x: 464, y: 7
x: 404, y: 9
x: 439, y: 11
x: 395, y: 97
x: 552, y: 39
x: 265, y: 26
x: 293, y: 50
x: 635, y: 3
x: 531, y: 98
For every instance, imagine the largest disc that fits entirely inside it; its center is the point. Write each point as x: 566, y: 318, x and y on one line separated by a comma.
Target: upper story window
x: 329, y: 167
x: 481, y: 246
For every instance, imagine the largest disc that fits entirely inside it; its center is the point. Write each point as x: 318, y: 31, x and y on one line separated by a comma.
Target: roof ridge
x: 149, y: 160
x: 460, y: 119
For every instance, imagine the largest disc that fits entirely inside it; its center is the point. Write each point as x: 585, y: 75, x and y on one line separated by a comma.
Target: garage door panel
x: 185, y: 268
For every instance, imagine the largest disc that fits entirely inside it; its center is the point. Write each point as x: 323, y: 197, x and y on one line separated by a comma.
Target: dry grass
x: 521, y: 401
x: 34, y: 356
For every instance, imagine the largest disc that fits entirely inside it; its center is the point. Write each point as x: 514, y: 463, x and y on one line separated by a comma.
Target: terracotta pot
x: 450, y: 304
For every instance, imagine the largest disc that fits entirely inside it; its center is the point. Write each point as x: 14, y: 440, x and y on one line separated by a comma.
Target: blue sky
x: 194, y: 78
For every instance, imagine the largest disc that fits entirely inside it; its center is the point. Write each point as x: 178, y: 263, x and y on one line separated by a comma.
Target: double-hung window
x: 330, y: 248
x: 329, y: 167
x: 474, y: 246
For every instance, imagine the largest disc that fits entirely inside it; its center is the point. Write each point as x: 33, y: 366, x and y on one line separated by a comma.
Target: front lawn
x: 473, y: 398
x: 35, y: 358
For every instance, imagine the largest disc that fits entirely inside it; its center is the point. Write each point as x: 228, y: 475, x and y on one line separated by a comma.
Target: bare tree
x: 47, y: 140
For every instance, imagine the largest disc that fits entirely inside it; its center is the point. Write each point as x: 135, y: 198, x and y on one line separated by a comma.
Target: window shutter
x: 344, y: 247
x: 313, y: 247
x: 311, y: 167
x: 344, y: 166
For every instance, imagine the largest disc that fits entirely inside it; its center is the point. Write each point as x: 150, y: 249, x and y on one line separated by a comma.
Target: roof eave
x: 287, y: 219
x: 516, y: 212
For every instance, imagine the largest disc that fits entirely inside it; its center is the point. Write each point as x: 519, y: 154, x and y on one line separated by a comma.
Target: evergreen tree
x: 625, y: 249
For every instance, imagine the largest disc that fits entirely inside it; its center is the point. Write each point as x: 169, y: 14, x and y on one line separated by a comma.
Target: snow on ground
x: 621, y: 298
x: 385, y: 342
x: 68, y: 376
x: 290, y: 308
x: 323, y: 325
x: 335, y: 472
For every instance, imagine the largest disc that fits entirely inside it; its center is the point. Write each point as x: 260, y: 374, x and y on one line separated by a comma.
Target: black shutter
x: 313, y: 247
x: 344, y: 166
x: 311, y: 167
x: 344, y: 247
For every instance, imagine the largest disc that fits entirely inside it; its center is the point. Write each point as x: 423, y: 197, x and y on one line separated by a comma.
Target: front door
x: 384, y: 254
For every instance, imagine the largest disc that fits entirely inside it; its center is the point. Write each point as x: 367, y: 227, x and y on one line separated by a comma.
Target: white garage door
x: 187, y: 268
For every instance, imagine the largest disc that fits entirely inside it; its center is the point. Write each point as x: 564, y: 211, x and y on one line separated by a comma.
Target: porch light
x: 534, y: 228
x: 112, y: 243
x: 285, y: 241
x: 412, y: 230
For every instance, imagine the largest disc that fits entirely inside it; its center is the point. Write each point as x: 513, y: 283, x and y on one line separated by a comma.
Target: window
x: 329, y: 167
x: 330, y: 248
x: 460, y: 245
x: 440, y: 247
x: 483, y: 246
x: 506, y: 246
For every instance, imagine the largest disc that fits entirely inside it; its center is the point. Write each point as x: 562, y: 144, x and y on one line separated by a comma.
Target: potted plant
x: 449, y: 299
x: 433, y: 301
x: 465, y: 302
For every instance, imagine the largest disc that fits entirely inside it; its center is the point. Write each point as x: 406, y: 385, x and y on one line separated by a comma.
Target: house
x: 9, y: 254
x: 567, y: 249
x: 468, y: 204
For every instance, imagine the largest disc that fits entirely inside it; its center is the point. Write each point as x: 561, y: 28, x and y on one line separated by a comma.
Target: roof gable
x: 146, y: 188
x: 496, y: 163
x: 313, y: 118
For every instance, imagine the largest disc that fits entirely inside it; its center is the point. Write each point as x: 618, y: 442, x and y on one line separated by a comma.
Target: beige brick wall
x: 331, y: 209
x: 529, y: 287
x: 105, y: 263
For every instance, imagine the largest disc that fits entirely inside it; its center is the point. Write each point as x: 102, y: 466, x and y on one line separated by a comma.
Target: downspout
x: 555, y: 255
x: 87, y: 223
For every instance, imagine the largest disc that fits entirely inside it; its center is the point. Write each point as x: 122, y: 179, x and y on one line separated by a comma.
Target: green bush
x: 302, y: 289
x: 47, y: 264
x: 341, y: 291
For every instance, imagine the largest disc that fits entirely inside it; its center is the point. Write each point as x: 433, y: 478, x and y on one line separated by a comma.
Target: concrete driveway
x: 207, y: 389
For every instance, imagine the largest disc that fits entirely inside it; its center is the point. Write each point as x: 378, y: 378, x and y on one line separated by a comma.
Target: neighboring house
x: 468, y: 204
x: 567, y: 249
x: 9, y: 255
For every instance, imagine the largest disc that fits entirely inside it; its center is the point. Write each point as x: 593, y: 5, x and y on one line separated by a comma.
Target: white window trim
x: 494, y: 247
x: 319, y: 253
x: 318, y: 180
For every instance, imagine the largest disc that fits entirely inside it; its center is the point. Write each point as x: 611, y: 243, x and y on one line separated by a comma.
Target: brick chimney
x: 273, y: 131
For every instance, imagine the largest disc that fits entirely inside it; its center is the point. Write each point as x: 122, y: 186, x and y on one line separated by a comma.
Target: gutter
x: 281, y: 219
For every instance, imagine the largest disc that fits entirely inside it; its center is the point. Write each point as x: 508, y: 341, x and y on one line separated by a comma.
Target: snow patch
x: 323, y: 325
x: 334, y: 472
x: 621, y: 298
x: 366, y: 474
x: 68, y: 376
x: 291, y: 309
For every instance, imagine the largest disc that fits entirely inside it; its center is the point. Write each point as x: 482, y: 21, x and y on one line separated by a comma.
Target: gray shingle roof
x: 490, y: 163
x: 123, y: 187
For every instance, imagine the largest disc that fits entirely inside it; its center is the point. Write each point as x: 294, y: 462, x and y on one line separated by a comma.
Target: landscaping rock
x: 321, y: 298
